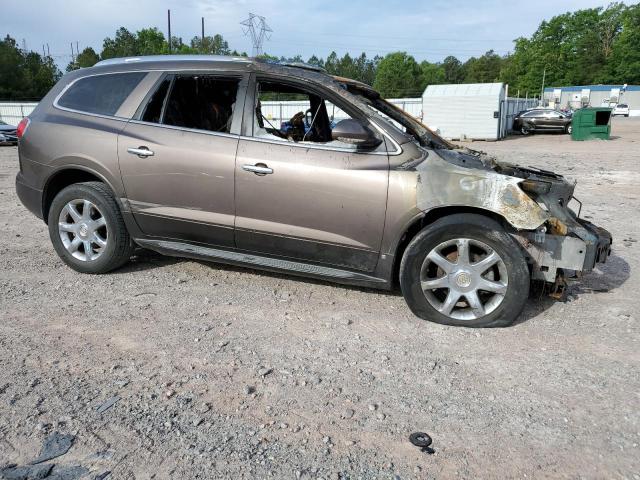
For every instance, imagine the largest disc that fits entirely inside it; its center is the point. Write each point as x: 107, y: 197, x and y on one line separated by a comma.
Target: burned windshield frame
x: 414, y: 128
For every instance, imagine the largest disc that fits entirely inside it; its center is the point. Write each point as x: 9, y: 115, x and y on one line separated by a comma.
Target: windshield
x: 398, y: 117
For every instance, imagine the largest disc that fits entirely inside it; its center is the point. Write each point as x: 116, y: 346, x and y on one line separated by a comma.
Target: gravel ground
x: 182, y: 369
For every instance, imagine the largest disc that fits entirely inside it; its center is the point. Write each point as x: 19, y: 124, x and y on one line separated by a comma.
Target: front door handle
x: 142, y: 152
x: 258, y: 169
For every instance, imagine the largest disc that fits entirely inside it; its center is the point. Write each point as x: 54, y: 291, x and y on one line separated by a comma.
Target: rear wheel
x: 465, y: 270
x: 87, y: 229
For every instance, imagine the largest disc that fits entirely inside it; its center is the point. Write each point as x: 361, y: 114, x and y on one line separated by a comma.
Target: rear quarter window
x: 101, y: 94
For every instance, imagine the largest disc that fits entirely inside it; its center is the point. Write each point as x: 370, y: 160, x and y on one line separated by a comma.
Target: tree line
x: 588, y: 46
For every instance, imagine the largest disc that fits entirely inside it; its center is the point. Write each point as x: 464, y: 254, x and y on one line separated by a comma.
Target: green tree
x: 86, y: 58
x: 624, y: 65
x: 331, y: 64
x: 315, y: 61
x: 215, y: 45
x: 432, y: 74
x: 453, y: 70
x: 572, y: 49
x: 24, y: 75
x: 398, y: 75
x: 484, y: 69
x: 150, y: 41
x: 124, y: 44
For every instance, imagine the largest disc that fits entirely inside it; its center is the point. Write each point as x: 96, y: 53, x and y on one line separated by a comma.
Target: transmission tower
x: 257, y: 28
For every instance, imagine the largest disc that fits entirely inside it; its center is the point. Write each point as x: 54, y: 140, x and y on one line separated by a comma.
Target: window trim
x: 115, y: 116
x: 325, y: 94
x: 241, y: 94
x: 147, y: 97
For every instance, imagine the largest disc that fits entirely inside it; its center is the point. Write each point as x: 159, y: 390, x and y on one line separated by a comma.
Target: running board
x: 181, y: 249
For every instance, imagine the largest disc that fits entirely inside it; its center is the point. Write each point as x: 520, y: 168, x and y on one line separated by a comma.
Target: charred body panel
x: 533, y: 202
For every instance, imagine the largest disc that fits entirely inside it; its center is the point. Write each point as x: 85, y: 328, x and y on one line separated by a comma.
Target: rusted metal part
x: 557, y: 227
x: 558, y: 289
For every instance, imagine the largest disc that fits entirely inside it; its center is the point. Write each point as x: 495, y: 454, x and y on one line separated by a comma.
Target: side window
x: 289, y: 113
x: 102, y: 94
x: 202, y: 102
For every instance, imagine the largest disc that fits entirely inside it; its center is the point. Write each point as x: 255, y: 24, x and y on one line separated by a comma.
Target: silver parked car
x: 181, y: 155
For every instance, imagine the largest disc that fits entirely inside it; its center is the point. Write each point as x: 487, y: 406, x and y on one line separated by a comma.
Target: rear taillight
x: 22, y: 127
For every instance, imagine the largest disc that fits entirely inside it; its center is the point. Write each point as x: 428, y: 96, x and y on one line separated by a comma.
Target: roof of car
x: 204, y: 62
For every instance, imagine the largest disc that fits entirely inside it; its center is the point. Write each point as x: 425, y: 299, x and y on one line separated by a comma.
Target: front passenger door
x: 300, y: 195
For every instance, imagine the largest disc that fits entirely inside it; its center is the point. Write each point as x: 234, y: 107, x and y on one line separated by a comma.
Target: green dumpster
x: 590, y: 123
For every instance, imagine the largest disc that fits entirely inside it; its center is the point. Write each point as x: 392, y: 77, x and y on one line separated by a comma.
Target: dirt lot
x: 221, y: 372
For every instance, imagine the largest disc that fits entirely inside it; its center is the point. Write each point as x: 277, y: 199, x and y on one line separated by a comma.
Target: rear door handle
x: 258, y: 169
x: 142, y: 152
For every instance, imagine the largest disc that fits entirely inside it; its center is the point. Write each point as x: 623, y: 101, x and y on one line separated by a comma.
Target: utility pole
x: 169, y: 28
x: 77, y: 49
x: 43, y: 54
x: 258, y: 30
x: 73, y: 58
x: 48, y: 51
x: 203, y: 31
x: 544, y: 74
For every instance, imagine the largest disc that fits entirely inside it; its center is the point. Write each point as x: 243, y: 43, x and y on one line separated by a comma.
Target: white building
x: 473, y: 111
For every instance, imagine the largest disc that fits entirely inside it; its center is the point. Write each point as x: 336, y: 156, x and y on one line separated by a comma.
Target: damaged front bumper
x: 548, y: 253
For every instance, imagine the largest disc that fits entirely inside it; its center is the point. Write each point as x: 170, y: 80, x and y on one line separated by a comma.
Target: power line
x: 389, y: 49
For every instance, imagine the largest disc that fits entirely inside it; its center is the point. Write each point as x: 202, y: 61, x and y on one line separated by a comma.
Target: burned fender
x: 443, y: 184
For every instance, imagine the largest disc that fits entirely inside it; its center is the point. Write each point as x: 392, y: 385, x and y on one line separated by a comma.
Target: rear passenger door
x: 177, y: 157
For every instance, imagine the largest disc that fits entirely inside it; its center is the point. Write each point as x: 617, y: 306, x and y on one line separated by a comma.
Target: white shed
x: 465, y: 111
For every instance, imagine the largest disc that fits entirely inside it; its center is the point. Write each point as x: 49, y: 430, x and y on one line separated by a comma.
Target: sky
x: 428, y: 30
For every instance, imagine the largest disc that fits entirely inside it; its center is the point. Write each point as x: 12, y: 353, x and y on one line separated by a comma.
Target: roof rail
x: 173, y: 58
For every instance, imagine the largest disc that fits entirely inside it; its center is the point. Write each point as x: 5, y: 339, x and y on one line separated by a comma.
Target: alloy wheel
x: 464, y: 279
x: 83, y: 229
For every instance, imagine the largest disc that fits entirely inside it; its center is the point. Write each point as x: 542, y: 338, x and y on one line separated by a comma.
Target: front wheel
x: 87, y: 229
x: 525, y: 130
x: 569, y: 129
x: 465, y: 270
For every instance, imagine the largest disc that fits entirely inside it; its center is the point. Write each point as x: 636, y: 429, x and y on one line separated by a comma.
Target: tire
x: 569, y: 129
x: 500, y: 309
x: 101, y: 225
x: 525, y: 130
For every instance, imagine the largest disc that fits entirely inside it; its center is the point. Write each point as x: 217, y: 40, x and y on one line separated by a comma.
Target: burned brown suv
x: 285, y: 168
